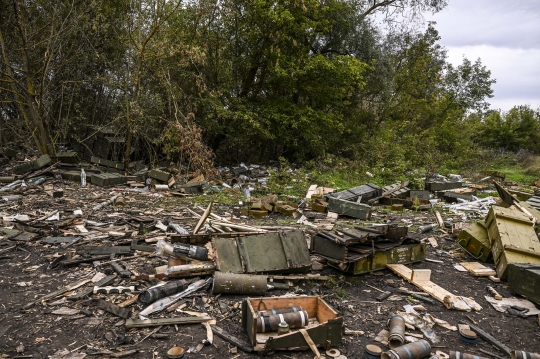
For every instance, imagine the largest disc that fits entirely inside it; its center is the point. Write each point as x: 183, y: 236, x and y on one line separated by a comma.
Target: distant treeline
x: 254, y: 80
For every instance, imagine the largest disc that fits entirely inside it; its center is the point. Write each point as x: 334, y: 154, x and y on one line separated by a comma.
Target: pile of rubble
x: 134, y: 256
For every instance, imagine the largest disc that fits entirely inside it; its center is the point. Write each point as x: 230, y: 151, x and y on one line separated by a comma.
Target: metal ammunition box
x: 325, y: 328
x: 276, y: 252
x: 512, y: 237
x: 107, y: 179
x: 348, y: 208
x: 524, y: 279
x: 475, y: 241
x: 159, y: 175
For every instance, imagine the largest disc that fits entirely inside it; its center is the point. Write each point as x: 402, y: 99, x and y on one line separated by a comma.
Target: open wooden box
x: 325, y: 325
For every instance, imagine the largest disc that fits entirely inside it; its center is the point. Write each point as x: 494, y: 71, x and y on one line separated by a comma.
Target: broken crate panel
x: 475, y: 241
x: 513, y: 239
x: 277, y: 252
x: 325, y: 326
x: 524, y: 279
x: 349, y: 208
x: 361, y: 193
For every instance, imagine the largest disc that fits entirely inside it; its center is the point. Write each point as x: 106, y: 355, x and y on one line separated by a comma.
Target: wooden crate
x: 325, y: 328
x: 512, y: 237
x: 349, y: 208
x: 475, y: 241
x: 524, y: 279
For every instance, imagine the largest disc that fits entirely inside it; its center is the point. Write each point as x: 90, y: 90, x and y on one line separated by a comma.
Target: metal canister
x: 246, y: 284
x: 271, y: 323
x: 415, y: 350
x: 396, y: 326
x: 266, y: 313
x: 520, y: 354
x: 458, y: 355
x: 151, y: 295
x: 372, y: 352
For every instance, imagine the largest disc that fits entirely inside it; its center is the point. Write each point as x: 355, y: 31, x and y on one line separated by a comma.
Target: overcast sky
x: 505, y: 35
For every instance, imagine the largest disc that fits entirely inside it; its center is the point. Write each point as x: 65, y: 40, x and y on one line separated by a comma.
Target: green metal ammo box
x: 524, y: 279
x: 475, y: 241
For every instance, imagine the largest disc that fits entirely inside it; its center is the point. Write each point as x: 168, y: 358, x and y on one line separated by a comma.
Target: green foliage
x: 517, y: 129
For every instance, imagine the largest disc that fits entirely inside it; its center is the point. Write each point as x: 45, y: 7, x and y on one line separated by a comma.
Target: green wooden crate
x: 159, y: 175
x: 107, y: 179
x: 68, y: 157
x: 71, y: 175
x: 524, y: 279
x: 403, y: 254
x: 277, y: 252
x: 475, y: 241
x: 441, y: 186
x: 348, y: 208
x: 511, y: 234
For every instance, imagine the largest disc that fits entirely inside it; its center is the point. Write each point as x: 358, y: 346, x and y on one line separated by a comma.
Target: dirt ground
x: 25, y: 276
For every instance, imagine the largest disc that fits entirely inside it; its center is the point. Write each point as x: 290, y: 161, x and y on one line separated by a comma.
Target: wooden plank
x: 136, y: 323
x: 433, y: 242
x: 419, y: 275
x: 478, y: 269
x: 450, y: 300
x: 440, y: 221
x: 58, y: 292
x: 203, y: 217
x: 311, y: 191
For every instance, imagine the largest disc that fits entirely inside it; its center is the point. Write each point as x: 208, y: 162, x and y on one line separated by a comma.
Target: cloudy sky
x: 505, y: 35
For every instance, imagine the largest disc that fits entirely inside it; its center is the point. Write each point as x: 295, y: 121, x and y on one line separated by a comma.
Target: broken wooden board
x: 108, y: 307
x: 87, y: 291
x: 136, y: 323
x: 477, y: 269
x: 451, y: 301
x: 225, y: 335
